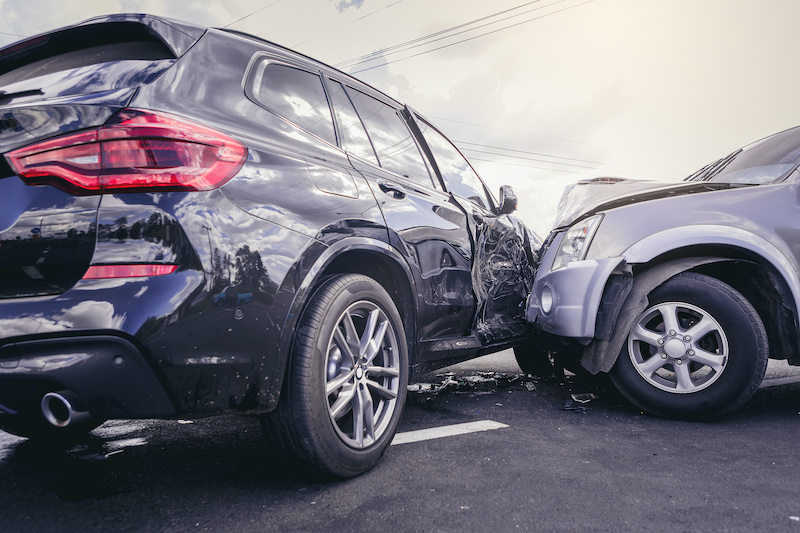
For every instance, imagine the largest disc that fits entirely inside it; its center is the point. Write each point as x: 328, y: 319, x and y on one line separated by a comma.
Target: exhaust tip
x: 59, y: 409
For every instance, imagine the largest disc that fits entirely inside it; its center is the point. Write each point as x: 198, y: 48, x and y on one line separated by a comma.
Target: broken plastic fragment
x: 571, y: 405
x: 583, y: 397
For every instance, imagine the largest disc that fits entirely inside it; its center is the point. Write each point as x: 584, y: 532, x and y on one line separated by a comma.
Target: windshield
x: 766, y: 161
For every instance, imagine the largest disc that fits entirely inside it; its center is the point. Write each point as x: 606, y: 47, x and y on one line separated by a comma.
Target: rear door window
x: 354, y: 138
x: 397, y: 150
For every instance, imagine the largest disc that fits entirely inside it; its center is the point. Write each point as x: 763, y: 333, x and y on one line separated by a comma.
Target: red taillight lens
x: 127, y: 271
x: 134, y: 151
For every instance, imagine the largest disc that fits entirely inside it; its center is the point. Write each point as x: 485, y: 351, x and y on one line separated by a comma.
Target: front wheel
x: 347, y: 380
x: 533, y: 358
x: 699, y: 350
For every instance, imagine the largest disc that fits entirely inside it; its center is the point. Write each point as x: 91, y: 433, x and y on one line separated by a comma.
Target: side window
x: 298, y: 96
x: 458, y: 175
x: 354, y: 138
x: 396, y: 147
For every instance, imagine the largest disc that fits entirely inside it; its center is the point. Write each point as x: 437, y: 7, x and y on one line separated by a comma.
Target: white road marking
x: 779, y: 381
x: 446, y: 431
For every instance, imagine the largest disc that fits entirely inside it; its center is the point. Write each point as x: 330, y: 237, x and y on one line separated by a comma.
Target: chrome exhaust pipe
x: 63, y: 408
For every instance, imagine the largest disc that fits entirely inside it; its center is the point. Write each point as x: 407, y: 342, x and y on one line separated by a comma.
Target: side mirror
x: 508, y: 200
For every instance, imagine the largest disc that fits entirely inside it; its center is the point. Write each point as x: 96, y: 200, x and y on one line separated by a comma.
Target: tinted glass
x: 458, y: 175
x: 354, y: 138
x: 765, y: 161
x: 298, y: 96
x: 397, y: 149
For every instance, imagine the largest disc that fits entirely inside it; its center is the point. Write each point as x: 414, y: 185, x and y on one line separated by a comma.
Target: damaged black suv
x: 197, y: 222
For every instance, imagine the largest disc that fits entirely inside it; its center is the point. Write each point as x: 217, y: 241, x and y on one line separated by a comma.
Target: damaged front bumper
x: 566, y: 301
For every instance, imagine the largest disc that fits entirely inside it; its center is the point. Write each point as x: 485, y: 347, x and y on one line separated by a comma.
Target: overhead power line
x: 346, y: 24
x: 383, y: 51
x: 598, y: 166
x: 474, y: 37
x: 516, y: 131
x: 475, y: 150
x: 597, y: 172
x: 522, y: 152
x: 532, y: 166
x: 251, y: 14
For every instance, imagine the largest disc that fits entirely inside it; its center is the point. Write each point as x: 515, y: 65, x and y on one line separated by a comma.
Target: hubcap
x: 678, y: 347
x: 362, y: 374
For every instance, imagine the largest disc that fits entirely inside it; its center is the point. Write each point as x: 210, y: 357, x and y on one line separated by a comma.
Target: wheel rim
x: 678, y: 347
x: 362, y: 369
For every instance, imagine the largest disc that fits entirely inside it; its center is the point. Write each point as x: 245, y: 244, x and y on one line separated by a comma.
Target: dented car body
x: 196, y: 222
x: 679, y: 290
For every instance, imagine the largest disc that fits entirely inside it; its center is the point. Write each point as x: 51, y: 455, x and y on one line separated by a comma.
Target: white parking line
x: 446, y: 431
x: 779, y: 381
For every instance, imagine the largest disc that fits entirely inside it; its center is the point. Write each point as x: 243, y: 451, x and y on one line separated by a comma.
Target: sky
x: 537, y: 94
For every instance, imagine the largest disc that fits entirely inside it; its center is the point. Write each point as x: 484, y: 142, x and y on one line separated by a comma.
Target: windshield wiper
x: 708, y: 172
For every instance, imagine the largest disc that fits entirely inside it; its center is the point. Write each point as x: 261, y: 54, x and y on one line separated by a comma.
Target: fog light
x: 546, y: 299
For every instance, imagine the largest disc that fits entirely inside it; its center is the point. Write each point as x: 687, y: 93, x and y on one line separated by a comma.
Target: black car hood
x: 588, y: 197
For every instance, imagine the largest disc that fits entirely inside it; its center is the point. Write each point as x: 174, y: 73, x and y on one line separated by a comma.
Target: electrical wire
x: 602, y: 168
x: 532, y: 166
x: 609, y: 168
x: 516, y: 131
x: 251, y: 14
x: 473, y: 37
x: 347, y: 24
x: 372, y: 55
x: 523, y: 152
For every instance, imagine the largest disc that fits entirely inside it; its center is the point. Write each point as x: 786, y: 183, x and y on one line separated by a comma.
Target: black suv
x: 197, y: 222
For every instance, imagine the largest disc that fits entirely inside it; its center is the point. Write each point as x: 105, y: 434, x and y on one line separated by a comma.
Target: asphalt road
x: 552, y: 464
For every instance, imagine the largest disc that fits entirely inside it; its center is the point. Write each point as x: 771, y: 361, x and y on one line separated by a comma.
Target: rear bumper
x: 108, y: 374
x: 93, y: 341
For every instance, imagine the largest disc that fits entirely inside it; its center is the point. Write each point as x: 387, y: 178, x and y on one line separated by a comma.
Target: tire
x: 347, y: 380
x: 533, y: 359
x: 698, y: 352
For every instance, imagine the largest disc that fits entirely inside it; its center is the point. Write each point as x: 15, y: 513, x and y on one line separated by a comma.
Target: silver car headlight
x: 576, y: 242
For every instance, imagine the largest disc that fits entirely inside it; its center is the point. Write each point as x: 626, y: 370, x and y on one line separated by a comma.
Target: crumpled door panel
x: 502, y: 276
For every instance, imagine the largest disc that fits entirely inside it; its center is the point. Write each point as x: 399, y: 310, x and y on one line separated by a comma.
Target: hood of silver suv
x: 588, y: 197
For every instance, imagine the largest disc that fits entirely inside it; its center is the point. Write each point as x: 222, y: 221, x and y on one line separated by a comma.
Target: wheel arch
x: 751, y: 273
x: 357, y: 255
x: 728, y: 242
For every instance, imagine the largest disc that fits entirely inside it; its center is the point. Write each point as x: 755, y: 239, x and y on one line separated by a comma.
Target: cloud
x: 344, y: 5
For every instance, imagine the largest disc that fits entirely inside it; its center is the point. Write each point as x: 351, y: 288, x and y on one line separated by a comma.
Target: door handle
x: 397, y: 192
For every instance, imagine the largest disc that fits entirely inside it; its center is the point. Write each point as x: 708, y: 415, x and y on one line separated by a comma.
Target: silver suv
x: 682, y: 291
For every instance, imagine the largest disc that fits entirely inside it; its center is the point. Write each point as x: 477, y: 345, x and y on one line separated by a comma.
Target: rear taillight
x: 135, y: 151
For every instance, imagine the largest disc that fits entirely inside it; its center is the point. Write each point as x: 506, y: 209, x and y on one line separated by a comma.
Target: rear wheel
x: 347, y: 381
x: 698, y: 351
